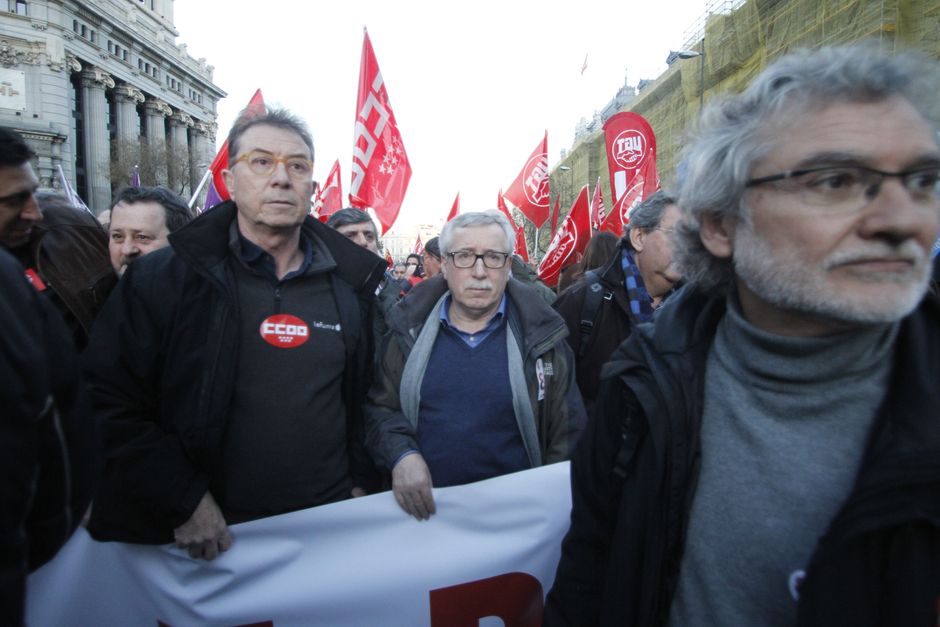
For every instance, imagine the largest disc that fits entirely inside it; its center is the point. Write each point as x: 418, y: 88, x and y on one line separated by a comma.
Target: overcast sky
x: 473, y: 85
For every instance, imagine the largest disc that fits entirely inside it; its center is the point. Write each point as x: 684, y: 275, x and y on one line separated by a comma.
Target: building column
x: 203, y: 148
x: 127, y: 146
x: 97, y: 150
x: 179, y: 157
x: 157, y: 110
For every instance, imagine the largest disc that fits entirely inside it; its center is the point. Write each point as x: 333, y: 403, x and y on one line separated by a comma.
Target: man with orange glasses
x: 227, y: 368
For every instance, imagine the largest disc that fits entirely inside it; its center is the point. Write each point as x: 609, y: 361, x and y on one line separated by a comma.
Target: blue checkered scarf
x: 641, y: 304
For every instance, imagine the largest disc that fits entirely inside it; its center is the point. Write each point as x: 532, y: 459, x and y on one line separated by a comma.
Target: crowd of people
x: 745, y: 382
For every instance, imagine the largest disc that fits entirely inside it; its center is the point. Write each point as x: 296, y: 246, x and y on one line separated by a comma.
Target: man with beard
x: 767, y: 452
x: 62, y: 248
x: 603, y: 308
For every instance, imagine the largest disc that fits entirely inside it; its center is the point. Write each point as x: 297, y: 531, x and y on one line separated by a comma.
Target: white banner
x: 487, y: 558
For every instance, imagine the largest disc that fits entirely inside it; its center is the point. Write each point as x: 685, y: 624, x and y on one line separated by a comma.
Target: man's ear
x: 717, y: 235
x: 229, y: 179
x: 637, y: 239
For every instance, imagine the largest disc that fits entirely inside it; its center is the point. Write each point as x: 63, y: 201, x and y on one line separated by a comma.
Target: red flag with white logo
x: 520, y: 247
x: 380, y: 168
x: 597, y: 207
x: 620, y: 216
x: 455, y: 209
x: 330, y: 197
x: 631, y: 153
x: 529, y: 192
x: 570, y: 240
x: 255, y: 107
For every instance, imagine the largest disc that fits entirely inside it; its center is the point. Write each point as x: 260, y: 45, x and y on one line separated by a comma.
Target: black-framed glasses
x: 492, y: 259
x: 852, y: 187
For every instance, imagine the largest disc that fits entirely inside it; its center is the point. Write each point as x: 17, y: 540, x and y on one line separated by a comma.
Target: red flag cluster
x: 380, y: 169
x: 520, y: 231
x: 569, y: 242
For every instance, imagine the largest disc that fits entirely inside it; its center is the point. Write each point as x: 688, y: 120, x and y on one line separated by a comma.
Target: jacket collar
x: 203, y: 243
x: 537, y: 321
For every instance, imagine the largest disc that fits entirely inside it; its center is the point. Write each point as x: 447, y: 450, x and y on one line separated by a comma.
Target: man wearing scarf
x: 627, y: 289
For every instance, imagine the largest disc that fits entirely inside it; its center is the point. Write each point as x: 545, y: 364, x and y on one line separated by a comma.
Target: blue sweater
x: 467, y: 428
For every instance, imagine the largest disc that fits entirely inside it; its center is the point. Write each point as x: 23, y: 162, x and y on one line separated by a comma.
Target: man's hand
x: 411, y: 483
x: 205, y: 534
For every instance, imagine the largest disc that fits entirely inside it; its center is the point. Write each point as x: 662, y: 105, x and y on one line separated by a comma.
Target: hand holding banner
x: 380, y: 168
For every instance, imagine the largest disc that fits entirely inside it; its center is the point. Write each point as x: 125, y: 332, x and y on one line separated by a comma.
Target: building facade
x: 98, y: 87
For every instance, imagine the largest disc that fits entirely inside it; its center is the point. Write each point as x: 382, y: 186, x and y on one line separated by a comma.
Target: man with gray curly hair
x: 476, y: 379
x: 766, y: 453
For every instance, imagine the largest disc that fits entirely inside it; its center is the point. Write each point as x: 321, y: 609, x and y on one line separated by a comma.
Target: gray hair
x: 647, y: 215
x: 737, y: 131
x: 278, y: 118
x: 477, y: 218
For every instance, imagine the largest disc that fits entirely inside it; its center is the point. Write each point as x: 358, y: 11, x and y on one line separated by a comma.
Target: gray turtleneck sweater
x: 783, y: 432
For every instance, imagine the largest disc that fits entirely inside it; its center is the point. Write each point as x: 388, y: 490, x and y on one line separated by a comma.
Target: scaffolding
x: 739, y: 38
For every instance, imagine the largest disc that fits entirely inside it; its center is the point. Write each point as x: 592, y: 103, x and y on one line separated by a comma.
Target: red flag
x: 631, y: 154
x: 529, y: 192
x: 455, y: 209
x: 419, y: 247
x: 388, y: 258
x: 520, y: 248
x: 570, y: 240
x: 330, y: 196
x: 380, y: 168
x: 255, y: 107
x: 597, y: 207
x: 620, y: 216
x: 555, y: 215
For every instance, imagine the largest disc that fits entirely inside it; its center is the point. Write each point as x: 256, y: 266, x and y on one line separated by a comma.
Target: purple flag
x: 212, y: 197
x: 135, y: 177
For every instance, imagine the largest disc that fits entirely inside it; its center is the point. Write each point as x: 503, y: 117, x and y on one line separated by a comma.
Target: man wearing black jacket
x: 766, y: 452
x: 228, y: 369
x: 49, y: 458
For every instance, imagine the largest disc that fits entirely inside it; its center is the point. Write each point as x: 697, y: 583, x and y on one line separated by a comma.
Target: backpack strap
x: 594, y: 293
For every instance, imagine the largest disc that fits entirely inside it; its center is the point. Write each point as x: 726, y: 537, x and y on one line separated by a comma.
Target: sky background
x: 473, y: 85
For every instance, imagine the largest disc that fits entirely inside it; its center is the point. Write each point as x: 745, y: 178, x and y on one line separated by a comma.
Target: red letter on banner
x: 514, y: 598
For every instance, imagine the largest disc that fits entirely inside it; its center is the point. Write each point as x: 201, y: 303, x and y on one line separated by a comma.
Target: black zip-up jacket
x: 162, y: 361
x: 49, y: 458
x: 635, y: 471
x: 611, y: 324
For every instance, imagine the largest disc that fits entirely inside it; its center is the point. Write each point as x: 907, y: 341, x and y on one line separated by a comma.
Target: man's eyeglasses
x: 492, y: 259
x: 850, y: 188
x: 263, y: 164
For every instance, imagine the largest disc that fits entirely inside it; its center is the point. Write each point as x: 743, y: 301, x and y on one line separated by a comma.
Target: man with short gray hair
x: 603, y: 308
x: 228, y: 368
x: 766, y: 454
x: 476, y: 379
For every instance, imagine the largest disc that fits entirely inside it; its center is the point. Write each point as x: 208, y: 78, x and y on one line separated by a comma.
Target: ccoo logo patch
x: 284, y: 331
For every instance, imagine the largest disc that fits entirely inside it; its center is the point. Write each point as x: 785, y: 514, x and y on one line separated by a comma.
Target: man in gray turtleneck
x: 766, y: 453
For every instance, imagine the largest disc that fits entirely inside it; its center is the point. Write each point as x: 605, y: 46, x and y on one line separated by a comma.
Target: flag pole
x: 202, y: 183
x: 535, y: 243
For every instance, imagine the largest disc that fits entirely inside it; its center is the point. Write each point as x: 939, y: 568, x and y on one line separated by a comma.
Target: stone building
x: 98, y: 86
